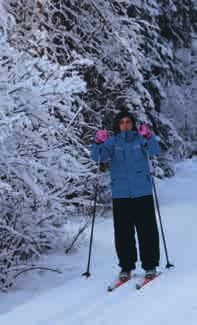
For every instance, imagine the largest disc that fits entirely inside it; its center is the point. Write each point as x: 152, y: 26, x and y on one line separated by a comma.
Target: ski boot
x: 150, y: 274
x: 125, y: 276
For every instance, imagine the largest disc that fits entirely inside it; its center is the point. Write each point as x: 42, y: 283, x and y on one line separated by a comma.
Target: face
x: 126, y: 124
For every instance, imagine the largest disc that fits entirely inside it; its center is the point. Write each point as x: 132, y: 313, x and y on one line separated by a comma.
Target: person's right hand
x: 101, y: 136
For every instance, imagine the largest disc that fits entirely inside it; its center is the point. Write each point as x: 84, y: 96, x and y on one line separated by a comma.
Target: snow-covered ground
x: 74, y: 300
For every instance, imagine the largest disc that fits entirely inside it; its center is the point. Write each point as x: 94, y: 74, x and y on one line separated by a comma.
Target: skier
x: 132, y: 195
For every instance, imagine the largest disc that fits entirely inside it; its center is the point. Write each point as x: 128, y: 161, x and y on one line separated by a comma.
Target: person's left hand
x: 145, y: 131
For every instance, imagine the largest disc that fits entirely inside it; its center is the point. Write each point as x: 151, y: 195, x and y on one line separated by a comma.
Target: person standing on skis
x: 132, y: 194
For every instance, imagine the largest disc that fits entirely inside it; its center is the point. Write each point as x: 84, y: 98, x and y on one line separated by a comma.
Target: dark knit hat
x: 119, y: 116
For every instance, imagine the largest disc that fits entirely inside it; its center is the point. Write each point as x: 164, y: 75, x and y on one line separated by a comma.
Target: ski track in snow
x: 170, y: 299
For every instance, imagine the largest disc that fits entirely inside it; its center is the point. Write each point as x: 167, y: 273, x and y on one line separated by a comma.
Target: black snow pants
x: 130, y: 214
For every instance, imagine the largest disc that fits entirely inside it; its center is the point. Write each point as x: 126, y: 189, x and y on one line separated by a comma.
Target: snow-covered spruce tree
x: 37, y: 45
x: 41, y: 163
x: 112, y: 68
x: 132, y: 57
x: 132, y: 60
x: 112, y: 41
x: 162, y: 66
x: 177, y: 27
x: 176, y: 20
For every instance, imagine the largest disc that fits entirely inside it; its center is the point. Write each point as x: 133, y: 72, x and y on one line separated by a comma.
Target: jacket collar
x: 127, y: 135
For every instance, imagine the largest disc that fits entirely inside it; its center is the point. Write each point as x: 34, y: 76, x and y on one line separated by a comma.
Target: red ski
x: 118, y: 283
x: 147, y: 281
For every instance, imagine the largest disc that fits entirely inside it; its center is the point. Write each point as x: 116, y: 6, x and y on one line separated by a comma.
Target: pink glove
x: 101, y: 136
x: 145, y: 131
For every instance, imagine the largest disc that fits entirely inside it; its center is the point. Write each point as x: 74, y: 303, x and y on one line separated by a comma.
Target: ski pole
x: 87, y: 273
x: 168, y: 265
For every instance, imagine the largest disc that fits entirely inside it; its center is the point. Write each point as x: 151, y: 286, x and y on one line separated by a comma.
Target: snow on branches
x: 39, y: 163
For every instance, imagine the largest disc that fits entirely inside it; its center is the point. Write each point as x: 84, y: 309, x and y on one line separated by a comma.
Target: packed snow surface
x: 170, y: 299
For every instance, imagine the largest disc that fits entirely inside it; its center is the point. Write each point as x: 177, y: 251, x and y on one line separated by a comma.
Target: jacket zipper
x: 126, y: 136
x: 126, y: 165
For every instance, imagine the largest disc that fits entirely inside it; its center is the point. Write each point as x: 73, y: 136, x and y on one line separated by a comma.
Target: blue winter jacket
x: 129, y: 166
